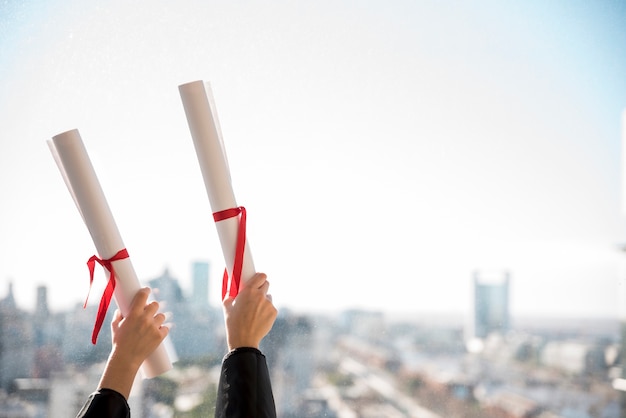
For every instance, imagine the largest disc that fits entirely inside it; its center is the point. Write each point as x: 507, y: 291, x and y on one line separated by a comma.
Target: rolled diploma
x: 203, y: 124
x: 73, y: 161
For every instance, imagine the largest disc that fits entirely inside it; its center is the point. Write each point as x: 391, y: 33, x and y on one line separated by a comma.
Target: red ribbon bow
x: 108, y: 291
x: 239, y: 249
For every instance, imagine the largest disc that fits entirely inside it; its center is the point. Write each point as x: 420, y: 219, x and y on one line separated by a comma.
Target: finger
x: 227, y: 303
x: 255, y: 281
x: 159, y: 319
x: 139, y: 301
x: 164, y: 330
x: 265, y: 287
x: 152, y: 308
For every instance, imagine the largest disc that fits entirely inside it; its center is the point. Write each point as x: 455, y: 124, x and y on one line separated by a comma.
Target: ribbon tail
x: 240, y: 247
x: 239, y: 253
x: 224, y: 283
x: 104, y: 306
x: 91, y: 265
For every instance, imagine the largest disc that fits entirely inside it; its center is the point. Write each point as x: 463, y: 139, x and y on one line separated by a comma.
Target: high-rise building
x: 167, y: 289
x: 200, y: 284
x: 48, y: 336
x: 41, y: 309
x: 42, y: 314
x: 491, y: 304
x: 16, y: 350
x: 289, y: 349
x: 193, y: 334
x: 368, y: 325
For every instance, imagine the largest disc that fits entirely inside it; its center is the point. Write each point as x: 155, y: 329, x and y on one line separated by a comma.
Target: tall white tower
x: 200, y: 284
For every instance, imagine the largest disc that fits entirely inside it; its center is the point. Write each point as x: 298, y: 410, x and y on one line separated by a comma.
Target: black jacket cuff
x: 105, y: 403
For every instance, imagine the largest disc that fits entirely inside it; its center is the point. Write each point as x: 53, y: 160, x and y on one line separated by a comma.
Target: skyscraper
x: 491, y: 304
x: 42, y: 314
x: 41, y: 309
x: 16, y: 350
x: 169, y: 290
x: 200, y: 284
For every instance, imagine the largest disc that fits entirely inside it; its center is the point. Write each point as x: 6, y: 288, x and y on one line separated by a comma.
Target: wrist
x: 120, y: 358
x: 119, y: 375
x: 237, y: 337
x: 232, y: 347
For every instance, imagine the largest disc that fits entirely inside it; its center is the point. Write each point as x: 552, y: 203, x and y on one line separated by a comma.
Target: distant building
x: 574, y: 357
x: 168, y: 289
x: 194, y: 332
x: 68, y: 391
x: 200, y: 285
x: 41, y: 309
x: 369, y: 325
x: 42, y: 313
x: 78, y: 325
x: 491, y: 305
x: 16, y: 350
x: 49, y: 333
x: 289, y: 351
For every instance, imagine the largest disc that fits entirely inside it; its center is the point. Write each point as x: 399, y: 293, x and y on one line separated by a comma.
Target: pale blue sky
x: 384, y: 150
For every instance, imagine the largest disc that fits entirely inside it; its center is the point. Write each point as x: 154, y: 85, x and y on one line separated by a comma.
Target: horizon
x: 416, y: 316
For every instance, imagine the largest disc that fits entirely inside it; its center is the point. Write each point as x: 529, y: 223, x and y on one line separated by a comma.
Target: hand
x: 140, y: 333
x: 250, y: 316
x: 134, y: 337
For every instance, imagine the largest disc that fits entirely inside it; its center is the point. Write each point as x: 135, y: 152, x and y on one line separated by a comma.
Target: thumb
x: 228, y: 303
x: 254, y: 282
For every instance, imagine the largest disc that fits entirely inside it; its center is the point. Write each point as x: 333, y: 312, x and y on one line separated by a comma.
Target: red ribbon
x: 239, y: 249
x: 108, y: 291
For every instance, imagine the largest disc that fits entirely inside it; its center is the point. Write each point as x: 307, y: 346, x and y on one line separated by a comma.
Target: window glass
x: 434, y: 190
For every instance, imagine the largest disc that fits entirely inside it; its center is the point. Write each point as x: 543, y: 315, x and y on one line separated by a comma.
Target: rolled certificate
x: 203, y: 124
x: 73, y: 161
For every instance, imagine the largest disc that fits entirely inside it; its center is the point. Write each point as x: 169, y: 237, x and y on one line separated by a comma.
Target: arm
x: 244, y: 388
x: 135, y: 337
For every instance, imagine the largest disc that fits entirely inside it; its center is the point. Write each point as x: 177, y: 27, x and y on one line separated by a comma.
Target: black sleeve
x: 105, y: 403
x: 244, y: 389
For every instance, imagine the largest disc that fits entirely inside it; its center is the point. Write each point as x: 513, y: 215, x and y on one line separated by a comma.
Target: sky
x: 385, y: 151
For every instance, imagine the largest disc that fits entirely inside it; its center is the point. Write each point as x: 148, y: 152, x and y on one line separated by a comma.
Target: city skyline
x: 358, y: 351
x: 384, y: 152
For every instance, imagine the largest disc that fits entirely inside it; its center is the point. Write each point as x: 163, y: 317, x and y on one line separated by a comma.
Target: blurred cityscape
x: 357, y: 363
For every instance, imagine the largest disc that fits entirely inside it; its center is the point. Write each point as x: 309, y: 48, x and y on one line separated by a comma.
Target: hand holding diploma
x: 134, y: 338
x: 249, y: 316
x: 73, y: 161
x: 230, y: 219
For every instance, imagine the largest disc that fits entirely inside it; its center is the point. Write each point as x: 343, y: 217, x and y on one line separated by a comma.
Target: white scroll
x: 73, y: 161
x: 203, y: 124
